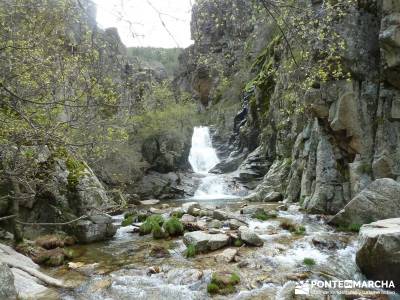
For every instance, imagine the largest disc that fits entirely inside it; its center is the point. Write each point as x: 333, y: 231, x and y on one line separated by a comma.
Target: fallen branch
x: 7, y: 217
x: 35, y: 273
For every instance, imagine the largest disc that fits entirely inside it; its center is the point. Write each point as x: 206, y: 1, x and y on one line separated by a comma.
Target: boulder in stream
x: 378, y: 255
x: 250, y: 237
x: 379, y: 200
x: 204, y: 242
x: 98, y: 228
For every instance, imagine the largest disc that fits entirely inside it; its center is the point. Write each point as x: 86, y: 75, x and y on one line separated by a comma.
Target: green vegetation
x: 309, y: 262
x: 149, y: 55
x: 353, y: 227
x: 264, y: 216
x: 177, y: 214
x: 293, y: 228
x: 223, y: 284
x: 173, y: 227
x: 127, y: 221
x: 190, y: 251
x: 76, y: 169
x: 238, y: 243
x: 153, y: 222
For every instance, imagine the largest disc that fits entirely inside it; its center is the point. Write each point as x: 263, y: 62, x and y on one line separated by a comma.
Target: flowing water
x: 203, y: 158
x: 123, y: 268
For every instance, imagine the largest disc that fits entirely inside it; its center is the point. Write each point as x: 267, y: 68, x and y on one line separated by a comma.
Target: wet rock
x: 220, y: 215
x: 274, y: 181
x: 7, y: 288
x: 229, y: 164
x: 188, y: 207
x: 54, y: 241
x: 273, y: 197
x: 150, y: 202
x: 87, y: 231
x: 227, y: 256
x: 27, y: 286
x: 188, y: 219
x: 214, y: 224
x: 380, y: 200
x: 52, y: 258
x: 204, y: 242
x: 154, y: 210
x: 159, y: 252
x: 254, y: 166
x: 234, y: 224
x: 218, y: 241
x: 197, y: 238
x: 250, y: 237
x: 379, y: 248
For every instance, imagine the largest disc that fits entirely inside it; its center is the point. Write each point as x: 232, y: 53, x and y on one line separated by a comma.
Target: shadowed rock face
x: 378, y: 255
x: 379, y: 200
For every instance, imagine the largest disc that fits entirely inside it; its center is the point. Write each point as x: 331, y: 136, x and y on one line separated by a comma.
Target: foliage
x: 293, y: 228
x: 309, y: 262
x: 76, y: 169
x: 190, y: 251
x: 263, y: 216
x: 127, y: 221
x: 167, y: 57
x: 173, y: 227
x: 238, y: 243
x: 223, y: 284
x: 353, y: 227
x: 152, y: 223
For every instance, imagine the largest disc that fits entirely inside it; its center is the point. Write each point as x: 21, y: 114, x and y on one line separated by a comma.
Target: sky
x: 139, y: 23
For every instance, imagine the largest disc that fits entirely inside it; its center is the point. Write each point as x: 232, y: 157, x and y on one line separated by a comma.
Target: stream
x: 124, y: 268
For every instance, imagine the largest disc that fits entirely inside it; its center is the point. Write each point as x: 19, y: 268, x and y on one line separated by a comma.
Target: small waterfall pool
x: 203, y: 158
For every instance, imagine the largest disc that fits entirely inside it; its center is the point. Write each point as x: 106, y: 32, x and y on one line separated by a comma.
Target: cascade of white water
x: 203, y: 158
x: 202, y: 155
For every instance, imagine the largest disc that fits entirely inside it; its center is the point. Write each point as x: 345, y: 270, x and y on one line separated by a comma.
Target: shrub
x: 212, y: 288
x: 177, y: 214
x: 353, y: 227
x: 151, y: 223
x: 238, y: 243
x: 127, y: 221
x: 158, y: 232
x: 293, y: 228
x: 190, y: 251
x: 223, y: 284
x: 173, y: 227
x: 309, y: 262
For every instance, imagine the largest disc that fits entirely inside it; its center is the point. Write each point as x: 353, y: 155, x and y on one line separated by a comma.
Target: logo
x: 302, y: 288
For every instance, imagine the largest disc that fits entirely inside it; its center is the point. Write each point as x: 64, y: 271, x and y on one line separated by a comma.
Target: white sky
x: 145, y: 21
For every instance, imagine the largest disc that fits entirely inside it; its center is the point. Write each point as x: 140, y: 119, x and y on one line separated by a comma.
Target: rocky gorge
x: 288, y: 178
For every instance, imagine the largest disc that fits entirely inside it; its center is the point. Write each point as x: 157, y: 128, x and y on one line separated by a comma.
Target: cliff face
x: 321, y: 145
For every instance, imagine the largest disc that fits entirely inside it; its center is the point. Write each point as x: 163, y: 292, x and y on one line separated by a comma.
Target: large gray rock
x: 205, y: 242
x: 7, y: 288
x: 378, y: 255
x: 379, y: 200
x: 274, y: 182
x: 98, y: 228
x: 250, y: 237
x: 25, y: 285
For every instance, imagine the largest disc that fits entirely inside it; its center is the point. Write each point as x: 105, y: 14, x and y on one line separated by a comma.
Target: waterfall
x: 202, y: 155
x: 203, y: 158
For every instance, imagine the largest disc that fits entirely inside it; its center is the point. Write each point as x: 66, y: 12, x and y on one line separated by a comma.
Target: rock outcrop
x: 378, y: 255
x: 336, y: 136
x: 7, y: 288
x: 379, y: 200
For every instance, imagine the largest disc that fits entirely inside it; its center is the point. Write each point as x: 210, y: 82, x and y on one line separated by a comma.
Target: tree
x: 52, y: 87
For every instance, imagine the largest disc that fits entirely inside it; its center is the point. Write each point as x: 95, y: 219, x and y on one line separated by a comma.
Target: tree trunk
x: 17, y: 231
